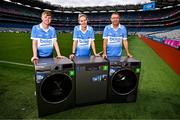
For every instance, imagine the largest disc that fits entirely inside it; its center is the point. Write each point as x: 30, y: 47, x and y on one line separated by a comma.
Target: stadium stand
x: 171, y: 38
x: 15, y: 15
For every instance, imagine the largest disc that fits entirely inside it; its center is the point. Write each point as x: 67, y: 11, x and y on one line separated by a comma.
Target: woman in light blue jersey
x: 83, y: 38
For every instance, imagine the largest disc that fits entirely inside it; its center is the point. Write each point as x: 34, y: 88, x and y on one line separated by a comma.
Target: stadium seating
x: 168, y: 37
x: 15, y: 15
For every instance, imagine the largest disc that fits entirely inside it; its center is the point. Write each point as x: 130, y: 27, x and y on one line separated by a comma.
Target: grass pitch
x: 158, y: 94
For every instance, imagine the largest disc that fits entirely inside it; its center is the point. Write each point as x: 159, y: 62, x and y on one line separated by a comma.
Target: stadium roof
x: 92, y: 3
x: 96, y: 9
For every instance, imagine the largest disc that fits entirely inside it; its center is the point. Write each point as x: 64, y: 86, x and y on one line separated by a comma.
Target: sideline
x: 15, y: 63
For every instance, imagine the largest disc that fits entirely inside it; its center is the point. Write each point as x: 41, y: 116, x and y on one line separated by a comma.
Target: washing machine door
x: 56, y: 88
x: 123, y: 81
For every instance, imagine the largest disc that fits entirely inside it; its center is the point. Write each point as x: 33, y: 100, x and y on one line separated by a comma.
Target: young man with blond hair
x: 44, y: 38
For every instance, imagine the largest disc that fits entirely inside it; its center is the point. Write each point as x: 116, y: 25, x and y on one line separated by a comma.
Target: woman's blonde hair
x: 82, y: 15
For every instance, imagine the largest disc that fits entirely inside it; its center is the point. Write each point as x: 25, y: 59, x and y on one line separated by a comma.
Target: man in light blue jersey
x: 83, y: 38
x: 44, y: 38
x: 114, y: 35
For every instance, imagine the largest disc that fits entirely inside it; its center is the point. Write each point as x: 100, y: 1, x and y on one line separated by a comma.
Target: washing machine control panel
x: 100, y: 78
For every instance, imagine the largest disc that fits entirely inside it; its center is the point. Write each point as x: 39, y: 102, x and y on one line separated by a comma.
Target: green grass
x: 158, y: 94
x: 15, y: 47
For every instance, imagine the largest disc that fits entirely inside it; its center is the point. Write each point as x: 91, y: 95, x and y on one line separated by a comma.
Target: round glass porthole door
x: 123, y: 81
x: 56, y: 88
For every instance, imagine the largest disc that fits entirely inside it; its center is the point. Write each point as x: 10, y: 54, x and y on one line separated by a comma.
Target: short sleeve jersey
x: 84, y: 40
x: 115, y: 38
x: 45, y: 39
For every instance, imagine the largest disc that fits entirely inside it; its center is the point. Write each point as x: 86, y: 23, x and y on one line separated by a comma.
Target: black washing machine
x: 123, y: 79
x: 55, y: 85
x: 91, y: 79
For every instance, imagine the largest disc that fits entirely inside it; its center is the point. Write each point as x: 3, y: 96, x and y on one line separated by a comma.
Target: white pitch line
x: 22, y: 64
x: 15, y: 63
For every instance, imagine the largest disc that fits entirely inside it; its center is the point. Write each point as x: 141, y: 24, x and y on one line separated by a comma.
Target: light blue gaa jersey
x: 114, y: 37
x: 45, y: 40
x: 84, y: 40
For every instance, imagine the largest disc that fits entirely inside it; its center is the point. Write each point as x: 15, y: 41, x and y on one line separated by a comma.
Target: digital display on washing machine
x: 105, y: 67
x: 71, y: 73
x: 100, y: 78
